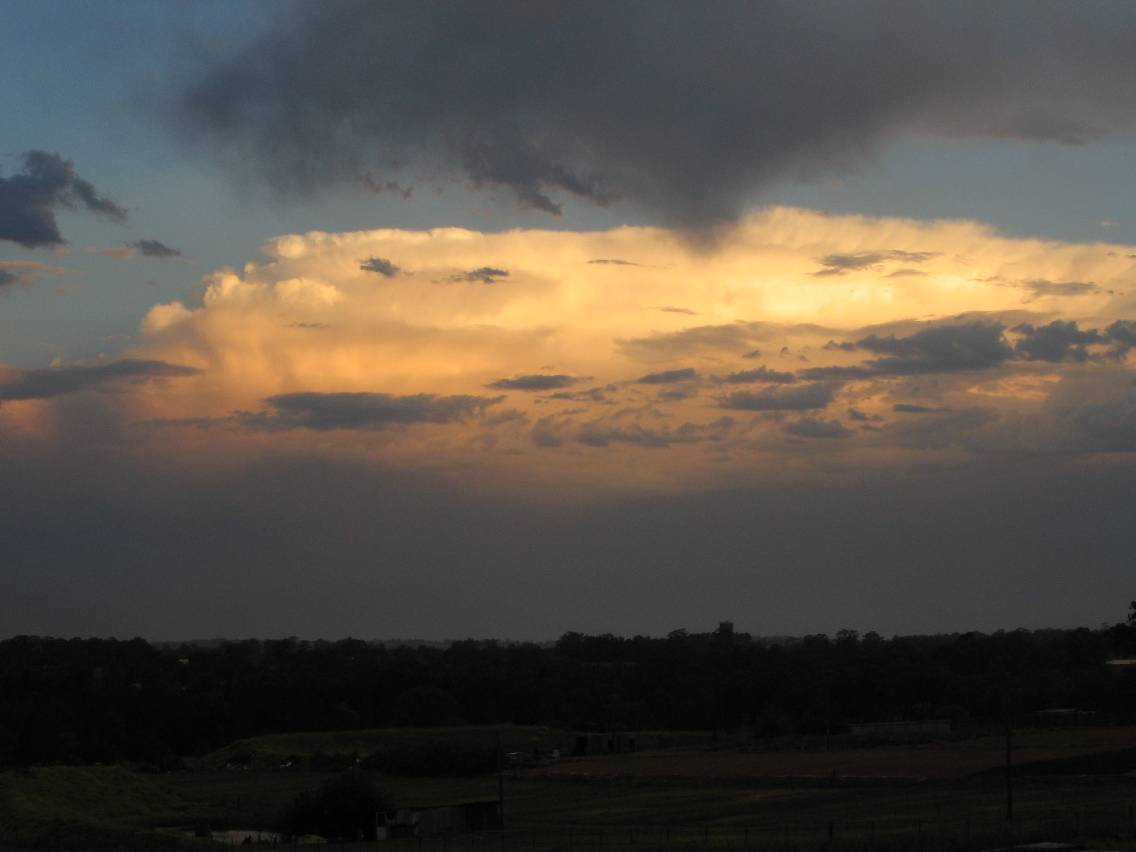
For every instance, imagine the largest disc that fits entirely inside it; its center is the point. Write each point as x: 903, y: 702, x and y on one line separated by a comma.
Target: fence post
x: 831, y: 830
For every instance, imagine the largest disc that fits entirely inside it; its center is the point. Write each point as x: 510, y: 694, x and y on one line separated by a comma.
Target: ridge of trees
x: 105, y: 700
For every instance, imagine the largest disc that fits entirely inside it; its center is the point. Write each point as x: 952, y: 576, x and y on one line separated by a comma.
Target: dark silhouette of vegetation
x: 344, y: 808
x: 433, y: 759
x: 94, y: 700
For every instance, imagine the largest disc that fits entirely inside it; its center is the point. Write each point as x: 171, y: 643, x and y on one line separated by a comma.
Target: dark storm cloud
x: 8, y: 279
x: 761, y: 374
x: 30, y: 199
x: 58, y: 381
x: 688, y: 374
x: 380, y: 265
x: 686, y: 108
x: 838, y: 264
x: 812, y: 428
x: 798, y: 398
x: 1058, y: 341
x: 153, y: 248
x: 481, y: 275
x: 373, y: 411
x: 536, y: 382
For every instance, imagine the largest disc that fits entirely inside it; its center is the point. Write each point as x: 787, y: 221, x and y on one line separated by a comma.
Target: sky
x: 495, y: 319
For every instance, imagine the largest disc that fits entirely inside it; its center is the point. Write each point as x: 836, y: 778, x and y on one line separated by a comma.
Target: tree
x: 345, y: 808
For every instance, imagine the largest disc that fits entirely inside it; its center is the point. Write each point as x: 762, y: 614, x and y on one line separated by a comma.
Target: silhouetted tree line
x: 96, y: 700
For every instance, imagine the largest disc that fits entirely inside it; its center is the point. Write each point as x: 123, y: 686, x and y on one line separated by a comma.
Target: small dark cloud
x: 674, y: 393
x: 186, y: 423
x: 689, y: 341
x: 754, y: 353
x: 1123, y: 332
x: 30, y: 199
x: 153, y: 248
x: 670, y: 309
x: 906, y: 273
x: 534, y: 382
x: 1108, y: 426
x: 59, y: 381
x: 761, y: 374
x: 614, y: 261
x: 1058, y: 341
x: 309, y: 325
x: 686, y: 374
x: 596, y: 394
x: 23, y: 272
x: 380, y: 187
x: 1039, y: 288
x: 813, y: 428
x: 798, y: 398
x: 838, y: 373
x: 380, y: 265
x: 944, y: 430
x: 369, y: 411
x: 602, y: 433
x: 939, y: 349
x: 545, y: 433
x: 481, y: 275
x: 117, y: 252
x: 727, y: 338
x: 908, y: 408
x: 838, y: 264
x: 863, y: 416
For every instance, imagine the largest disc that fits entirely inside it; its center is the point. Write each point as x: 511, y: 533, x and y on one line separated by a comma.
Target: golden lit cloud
x: 633, y: 355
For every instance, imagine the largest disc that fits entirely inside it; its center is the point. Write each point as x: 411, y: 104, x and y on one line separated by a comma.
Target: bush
x: 345, y: 808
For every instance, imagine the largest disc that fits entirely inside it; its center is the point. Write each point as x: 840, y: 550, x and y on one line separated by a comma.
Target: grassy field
x: 708, y: 797
x: 67, y: 807
x: 270, y: 751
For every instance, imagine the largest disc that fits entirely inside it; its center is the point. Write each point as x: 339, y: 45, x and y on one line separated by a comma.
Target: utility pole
x: 501, y: 788
x: 1009, y: 760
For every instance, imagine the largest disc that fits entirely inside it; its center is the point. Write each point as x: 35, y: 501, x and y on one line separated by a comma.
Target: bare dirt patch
x: 948, y: 759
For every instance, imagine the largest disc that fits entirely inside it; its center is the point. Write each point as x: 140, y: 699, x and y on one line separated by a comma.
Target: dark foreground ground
x: 690, y: 791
